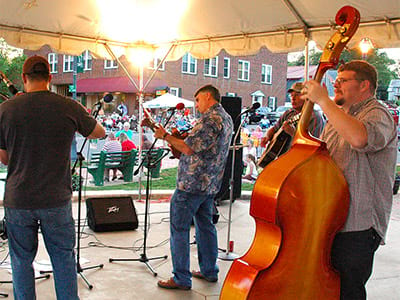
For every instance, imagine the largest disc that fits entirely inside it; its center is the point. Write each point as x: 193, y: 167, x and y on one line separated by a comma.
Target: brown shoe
x: 197, y: 274
x: 172, y: 285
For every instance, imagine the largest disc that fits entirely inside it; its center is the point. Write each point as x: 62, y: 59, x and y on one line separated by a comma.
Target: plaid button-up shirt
x: 369, y: 171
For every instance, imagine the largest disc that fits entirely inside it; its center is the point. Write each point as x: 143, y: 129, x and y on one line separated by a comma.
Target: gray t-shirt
x: 36, y: 130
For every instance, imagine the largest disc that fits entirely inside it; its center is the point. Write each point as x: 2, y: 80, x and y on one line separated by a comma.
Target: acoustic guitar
x: 279, y: 143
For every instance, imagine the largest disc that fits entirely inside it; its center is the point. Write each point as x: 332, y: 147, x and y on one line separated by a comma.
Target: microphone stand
x: 143, y: 256
x: 228, y: 254
x: 80, y: 159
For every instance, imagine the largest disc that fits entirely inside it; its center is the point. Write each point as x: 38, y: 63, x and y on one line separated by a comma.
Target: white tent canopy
x: 202, y: 27
x: 167, y: 100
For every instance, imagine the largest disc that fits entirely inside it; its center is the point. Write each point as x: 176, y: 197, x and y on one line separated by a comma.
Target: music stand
x: 150, y: 164
x: 229, y: 255
x: 80, y: 160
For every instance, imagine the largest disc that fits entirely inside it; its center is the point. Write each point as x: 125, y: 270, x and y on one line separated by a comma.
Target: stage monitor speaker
x: 111, y: 214
x: 224, y: 192
x: 233, y: 106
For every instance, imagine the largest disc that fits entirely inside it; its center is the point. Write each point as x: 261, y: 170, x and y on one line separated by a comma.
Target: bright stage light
x: 140, y: 56
x: 365, y: 46
x: 151, y: 21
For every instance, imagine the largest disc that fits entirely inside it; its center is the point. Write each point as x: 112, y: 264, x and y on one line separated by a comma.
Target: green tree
x: 377, y: 58
x: 11, y: 62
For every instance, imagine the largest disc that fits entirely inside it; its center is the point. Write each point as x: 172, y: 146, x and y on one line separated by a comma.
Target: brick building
x: 260, y: 77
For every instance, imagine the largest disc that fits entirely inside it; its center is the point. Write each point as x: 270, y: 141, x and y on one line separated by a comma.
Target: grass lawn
x: 167, y: 181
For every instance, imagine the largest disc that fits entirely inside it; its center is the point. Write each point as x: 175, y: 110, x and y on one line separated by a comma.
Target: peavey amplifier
x: 111, y: 214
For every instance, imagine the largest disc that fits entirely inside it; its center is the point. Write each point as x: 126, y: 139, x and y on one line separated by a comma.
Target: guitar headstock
x: 348, y: 19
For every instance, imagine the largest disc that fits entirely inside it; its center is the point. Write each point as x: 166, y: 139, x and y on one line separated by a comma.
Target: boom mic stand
x: 228, y: 254
x: 143, y: 256
x: 80, y: 159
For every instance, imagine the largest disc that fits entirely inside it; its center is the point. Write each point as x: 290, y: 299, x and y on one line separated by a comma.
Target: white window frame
x: 87, y: 60
x: 110, y: 64
x: 53, y: 62
x: 189, y: 60
x: 243, y: 69
x: 266, y: 74
x: 228, y: 67
x: 230, y: 94
x: 156, y: 61
x: 68, y: 65
x: 174, y: 91
x: 211, y: 67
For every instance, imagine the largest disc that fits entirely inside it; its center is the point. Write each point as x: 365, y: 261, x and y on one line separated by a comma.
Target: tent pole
x: 306, y: 60
x: 140, y: 89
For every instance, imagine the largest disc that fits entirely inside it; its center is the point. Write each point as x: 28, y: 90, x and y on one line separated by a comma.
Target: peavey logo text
x: 112, y: 209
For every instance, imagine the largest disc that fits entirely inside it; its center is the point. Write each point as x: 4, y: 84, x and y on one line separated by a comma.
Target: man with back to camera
x: 200, y: 172
x: 36, y: 132
x: 361, y: 137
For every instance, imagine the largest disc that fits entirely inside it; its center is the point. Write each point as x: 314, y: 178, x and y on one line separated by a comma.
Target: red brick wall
x: 173, y: 76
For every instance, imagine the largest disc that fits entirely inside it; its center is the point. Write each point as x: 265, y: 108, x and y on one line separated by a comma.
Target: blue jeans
x: 185, y: 206
x: 58, y: 230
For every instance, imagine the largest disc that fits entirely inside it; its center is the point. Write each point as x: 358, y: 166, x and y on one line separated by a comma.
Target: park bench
x: 155, y: 155
x: 123, y: 161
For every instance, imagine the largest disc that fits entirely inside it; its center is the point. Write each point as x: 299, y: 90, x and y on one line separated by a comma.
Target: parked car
x: 281, y: 109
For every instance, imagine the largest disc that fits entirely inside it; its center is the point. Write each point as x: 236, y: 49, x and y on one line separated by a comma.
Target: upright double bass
x: 298, y: 203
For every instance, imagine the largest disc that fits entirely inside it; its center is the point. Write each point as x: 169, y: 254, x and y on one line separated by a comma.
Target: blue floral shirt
x: 210, y: 138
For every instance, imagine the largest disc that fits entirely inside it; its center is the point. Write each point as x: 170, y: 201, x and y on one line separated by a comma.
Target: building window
x: 266, y: 74
x: 175, y: 91
x: 110, y: 64
x: 189, y: 64
x: 227, y: 67
x: 211, y: 67
x: 272, y: 102
x: 68, y: 63
x: 87, y: 61
x: 53, y: 62
x: 244, y: 70
x: 156, y: 62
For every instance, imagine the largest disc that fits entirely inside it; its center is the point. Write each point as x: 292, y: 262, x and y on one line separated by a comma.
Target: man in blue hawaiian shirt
x: 200, y: 172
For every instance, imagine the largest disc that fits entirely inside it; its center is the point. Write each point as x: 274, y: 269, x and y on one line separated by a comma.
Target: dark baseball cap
x: 36, y: 64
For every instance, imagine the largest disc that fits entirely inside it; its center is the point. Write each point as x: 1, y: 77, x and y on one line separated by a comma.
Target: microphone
x: 106, y: 99
x: 9, y: 84
x: 179, y: 106
x: 255, y: 106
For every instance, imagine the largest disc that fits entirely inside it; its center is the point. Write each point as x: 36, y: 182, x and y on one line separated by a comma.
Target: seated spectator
x: 111, y: 145
x: 146, y: 143
x: 249, y: 149
x: 251, y: 169
x: 126, y: 129
x: 126, y: 143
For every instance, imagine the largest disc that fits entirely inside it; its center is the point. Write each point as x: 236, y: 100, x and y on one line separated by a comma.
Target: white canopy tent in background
x: 167, y: 100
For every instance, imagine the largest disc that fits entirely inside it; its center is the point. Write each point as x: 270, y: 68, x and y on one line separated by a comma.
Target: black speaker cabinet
x: 111, y: 214
x: 233, y: 106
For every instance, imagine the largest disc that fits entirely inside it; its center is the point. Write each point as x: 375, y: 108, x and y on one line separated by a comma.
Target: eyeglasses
x: 340, y: 81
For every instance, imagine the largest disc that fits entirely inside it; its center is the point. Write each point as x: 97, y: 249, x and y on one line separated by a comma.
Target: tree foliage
x: 377, y: 58
x: 11, y: 62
